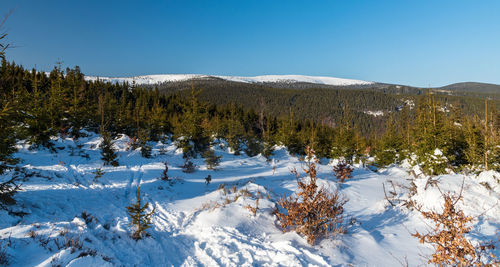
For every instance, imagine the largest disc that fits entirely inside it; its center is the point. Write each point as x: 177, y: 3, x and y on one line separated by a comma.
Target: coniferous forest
x: 37, y: 105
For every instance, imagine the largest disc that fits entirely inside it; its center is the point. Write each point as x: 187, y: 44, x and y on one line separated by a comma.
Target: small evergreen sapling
x: 188, y: 166
x: 7, y: 190
x: 211, y: 159
x: 254, y: 147
x: 98, y: 173
x: 107, y: 152
x: 140, y: 219
x: 143, y: 143
x: 267, y: 150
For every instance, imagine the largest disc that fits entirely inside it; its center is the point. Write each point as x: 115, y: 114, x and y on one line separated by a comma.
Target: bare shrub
x: 4, y: 257
x: 164, y: 175
x: 447, y: 236
x: 342, y: 171
x: 32, y: 234
x: 88, y: 218
x: 223, y: 188
x: 253, y: 210
x: 314, y: 211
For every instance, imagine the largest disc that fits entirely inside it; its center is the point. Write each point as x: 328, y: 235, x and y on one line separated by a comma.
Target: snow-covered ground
x: 73, y: 220
x: 162, y: 78
x: 376, y: 113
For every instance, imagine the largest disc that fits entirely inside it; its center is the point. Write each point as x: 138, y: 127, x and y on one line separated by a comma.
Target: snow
x: 162, y: 78
x: 376, y: 113
x: 296, y: 78
x: 198, y: 224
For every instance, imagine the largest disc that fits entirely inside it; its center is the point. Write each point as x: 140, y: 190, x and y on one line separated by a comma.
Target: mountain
x: 474, y: 87
x: 264, y: 79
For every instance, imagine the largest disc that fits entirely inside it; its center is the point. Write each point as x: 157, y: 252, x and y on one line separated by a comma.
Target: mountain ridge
x: 291, y: 80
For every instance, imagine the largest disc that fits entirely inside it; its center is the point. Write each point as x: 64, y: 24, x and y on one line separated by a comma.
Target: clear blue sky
x: 418, y: 43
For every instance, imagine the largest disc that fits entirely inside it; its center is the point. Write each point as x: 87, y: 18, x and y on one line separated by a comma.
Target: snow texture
x: 197, y: 224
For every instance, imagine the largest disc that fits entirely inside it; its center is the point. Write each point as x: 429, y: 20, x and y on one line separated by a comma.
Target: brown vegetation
x: 342, y: 171
x: 314, y: 211
x: 452, y: 248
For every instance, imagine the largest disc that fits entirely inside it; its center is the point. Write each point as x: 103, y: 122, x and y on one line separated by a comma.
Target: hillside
x: 264, y: 79
x: 71, y: 218
x: 473, y: 87
x: 312, y: 97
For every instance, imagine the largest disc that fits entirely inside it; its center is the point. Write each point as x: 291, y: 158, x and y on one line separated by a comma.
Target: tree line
x: 34, y: 106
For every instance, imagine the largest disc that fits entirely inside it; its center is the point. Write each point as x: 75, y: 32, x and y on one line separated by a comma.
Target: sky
x: 420, y: 43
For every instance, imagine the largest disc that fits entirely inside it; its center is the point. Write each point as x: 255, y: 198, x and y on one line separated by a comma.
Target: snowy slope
x: 161, y: 78
x: 197, y: 224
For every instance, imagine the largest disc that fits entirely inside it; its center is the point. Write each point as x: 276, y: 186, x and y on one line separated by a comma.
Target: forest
x: 36, y: 106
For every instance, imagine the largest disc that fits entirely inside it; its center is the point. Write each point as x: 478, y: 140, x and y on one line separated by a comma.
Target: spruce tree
x: 107, y: 152
x: 211, y: 159
x: 253, y: 147
x: 3, y: 45
x: 390, y: 146
x: 140, y: 218
x: 143, y: 143
x: 195, y: 139
x: 38, y: 128
x: 235, y: 131
x: 344, y: 145
x: 431, y: 140
x: 7, y: 136
x: 287, y: 134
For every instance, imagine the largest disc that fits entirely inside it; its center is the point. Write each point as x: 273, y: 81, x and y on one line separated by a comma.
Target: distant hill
x: 311, y: 97
x: 264, y: 79
x: 473, y: 87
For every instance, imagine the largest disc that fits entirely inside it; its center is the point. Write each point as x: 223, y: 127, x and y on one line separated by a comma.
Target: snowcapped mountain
x: 162, y: 78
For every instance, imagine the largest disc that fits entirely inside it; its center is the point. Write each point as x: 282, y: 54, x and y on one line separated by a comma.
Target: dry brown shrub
x: 342, y: 171
x: 253, y: 210
x: 447, y: 236
x: 32, y: 234
x: 314, y: 211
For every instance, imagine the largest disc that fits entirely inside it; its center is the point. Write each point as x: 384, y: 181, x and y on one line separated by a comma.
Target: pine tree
x: 344, y: 145
x: 287, y: 134
x: 140, y: 219
x: 7, y: 136
x: 253, y: 147
x: 107, y: 152
x: 143, y: 143
x: 76, y: 83
x: 235, y: 130
x: 475, y: 142
x: 431, y: 140
x: 38, y: 128
x: 56, y: 99
x: 211, y: 159
x: 3, y: 46
x: 390, y: 145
